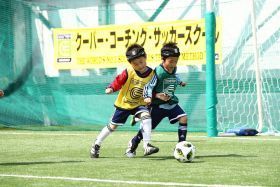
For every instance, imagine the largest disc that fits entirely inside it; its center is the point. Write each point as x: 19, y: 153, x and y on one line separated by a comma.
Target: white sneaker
x: 131, y: 149
x: 130, y: 154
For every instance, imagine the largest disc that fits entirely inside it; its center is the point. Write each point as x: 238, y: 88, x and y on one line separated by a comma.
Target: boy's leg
x: 119, y: 118
x: 105, y: 132
x: 146, y: 127
x: 143, y: 134
x: 177, y: 114
x: 134, y: 120
x: 157, y: 115
x: 139, y: 136
x: 137, y: 139
x: 133, y: 144
x: 182, y: 129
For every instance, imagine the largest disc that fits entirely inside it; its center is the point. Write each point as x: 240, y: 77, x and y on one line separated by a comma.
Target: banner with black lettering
x: 105, y: 46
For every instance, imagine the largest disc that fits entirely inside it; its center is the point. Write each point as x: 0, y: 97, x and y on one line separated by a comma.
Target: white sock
x: 102, y: 135
x: 146, y: 126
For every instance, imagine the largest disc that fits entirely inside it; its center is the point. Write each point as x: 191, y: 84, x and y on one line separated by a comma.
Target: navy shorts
x: 173, y: 114
x: 120, y: 116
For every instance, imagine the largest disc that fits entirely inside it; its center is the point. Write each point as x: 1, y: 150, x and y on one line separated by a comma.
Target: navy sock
x: 137, y: 139
x: 182, y: 132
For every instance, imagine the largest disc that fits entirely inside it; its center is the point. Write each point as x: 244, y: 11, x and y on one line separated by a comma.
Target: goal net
x: 236, y: 78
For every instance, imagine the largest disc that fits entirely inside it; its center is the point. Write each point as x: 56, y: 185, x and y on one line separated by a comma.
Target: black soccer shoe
x: 150, y: 149
x: 94, y: 152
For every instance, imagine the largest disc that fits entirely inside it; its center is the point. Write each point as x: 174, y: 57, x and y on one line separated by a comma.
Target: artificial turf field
x: 59, y: 158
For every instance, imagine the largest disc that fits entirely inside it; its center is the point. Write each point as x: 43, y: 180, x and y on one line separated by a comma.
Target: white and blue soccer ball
x: 184, y: 151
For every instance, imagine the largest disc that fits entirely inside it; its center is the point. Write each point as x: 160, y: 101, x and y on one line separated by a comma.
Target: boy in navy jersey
x: 130, y: 100
x: 159, y: 93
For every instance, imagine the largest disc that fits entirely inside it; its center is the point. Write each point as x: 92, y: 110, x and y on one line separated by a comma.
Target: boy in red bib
x: 130, y: 100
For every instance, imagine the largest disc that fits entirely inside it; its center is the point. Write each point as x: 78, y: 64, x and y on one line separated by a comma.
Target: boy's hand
x: 148, y: 101
x: 109, y: 90
x: 1, y: 93
x: 183, y: 84
x: 163, y: 96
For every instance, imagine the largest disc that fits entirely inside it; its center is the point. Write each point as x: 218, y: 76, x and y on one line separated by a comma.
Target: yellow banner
x: 105, y: 46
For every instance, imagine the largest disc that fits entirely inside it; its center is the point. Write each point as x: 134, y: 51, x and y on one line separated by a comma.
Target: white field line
x: 45, y: 133
x: 155, y: 134
x: 117, y: 181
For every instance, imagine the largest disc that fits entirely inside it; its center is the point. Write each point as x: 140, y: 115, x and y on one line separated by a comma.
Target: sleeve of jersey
x: 179, y: 81
x: 119, y: 81
x: 148, y: 88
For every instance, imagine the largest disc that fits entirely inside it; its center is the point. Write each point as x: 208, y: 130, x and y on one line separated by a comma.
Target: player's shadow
x: 197, y: 158
x: 159, y: 158
x: 35, y: 163
x: 176, y: 141
x: 227, y: 155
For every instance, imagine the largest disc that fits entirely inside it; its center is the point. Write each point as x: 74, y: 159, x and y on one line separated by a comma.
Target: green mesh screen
x: 40, y: 97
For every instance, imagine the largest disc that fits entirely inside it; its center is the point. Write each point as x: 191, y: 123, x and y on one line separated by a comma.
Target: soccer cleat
x: 131, y: 149
x: 94, y: 152
x: 133, y: 121
x: 150, y: 149
x: 130, y: 154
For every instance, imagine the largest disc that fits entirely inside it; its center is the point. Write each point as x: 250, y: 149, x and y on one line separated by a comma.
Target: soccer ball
x: 184, y: 151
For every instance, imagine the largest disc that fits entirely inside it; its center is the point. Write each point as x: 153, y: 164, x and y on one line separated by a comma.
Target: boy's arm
x: 118, y: 82
x: 148, y: 92
x: 148, y: 88
x: 179, y: 81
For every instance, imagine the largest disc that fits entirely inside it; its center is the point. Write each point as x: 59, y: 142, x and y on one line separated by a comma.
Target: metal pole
x: 257, y: 68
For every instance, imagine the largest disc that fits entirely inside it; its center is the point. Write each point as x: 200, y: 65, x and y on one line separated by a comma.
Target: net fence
x: 38, y: 96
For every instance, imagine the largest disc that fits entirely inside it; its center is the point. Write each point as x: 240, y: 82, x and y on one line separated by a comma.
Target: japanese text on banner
x: 105, y: 46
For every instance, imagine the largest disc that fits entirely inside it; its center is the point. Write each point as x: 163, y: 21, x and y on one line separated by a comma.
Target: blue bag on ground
x: 243, y: 131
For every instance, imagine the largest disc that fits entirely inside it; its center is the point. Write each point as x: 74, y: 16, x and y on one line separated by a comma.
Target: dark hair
x: 170, y: 50
x: 134, y: 51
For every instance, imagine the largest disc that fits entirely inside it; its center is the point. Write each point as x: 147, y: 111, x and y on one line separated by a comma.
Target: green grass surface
x: 252, y: 161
